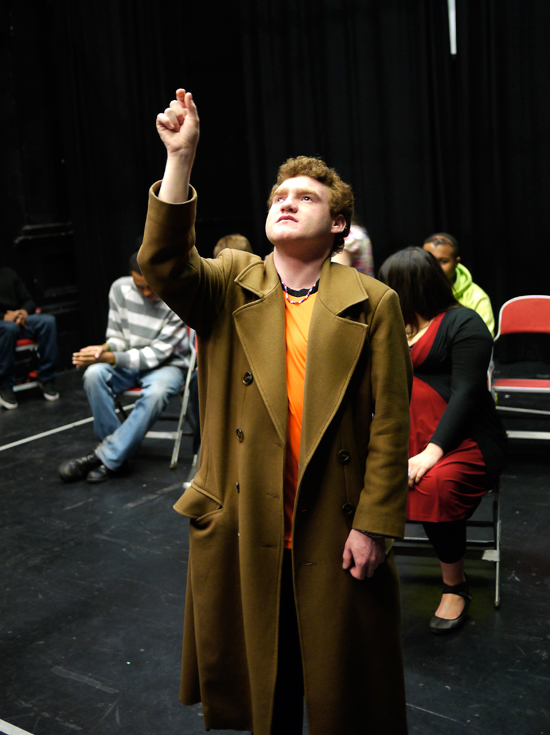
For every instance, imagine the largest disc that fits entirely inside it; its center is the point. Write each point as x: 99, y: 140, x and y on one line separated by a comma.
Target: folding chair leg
x: 121, y: 408
x: 497, y: 577
x: 497, y: 545
x: 192, y: 470
x: 179, y: 430
x: 490, y: 547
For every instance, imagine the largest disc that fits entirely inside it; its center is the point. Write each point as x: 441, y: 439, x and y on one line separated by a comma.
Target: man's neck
x: 296, y: 273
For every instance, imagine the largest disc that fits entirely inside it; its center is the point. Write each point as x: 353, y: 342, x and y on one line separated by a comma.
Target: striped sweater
x: 144, y: 334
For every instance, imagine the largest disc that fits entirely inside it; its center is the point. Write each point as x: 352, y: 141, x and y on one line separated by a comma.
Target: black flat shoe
x: 440, y: 626
x: 78, y: 469
x: 102, y: 473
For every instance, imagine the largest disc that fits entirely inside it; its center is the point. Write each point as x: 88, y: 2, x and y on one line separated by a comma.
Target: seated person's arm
x: 171, y: 338
x: 19, y: 316
x: 470, y: 354
x: 485, y: 311
x: 92, y: 354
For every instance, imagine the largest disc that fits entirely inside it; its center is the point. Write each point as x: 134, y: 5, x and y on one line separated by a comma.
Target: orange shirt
x: 297, y: 321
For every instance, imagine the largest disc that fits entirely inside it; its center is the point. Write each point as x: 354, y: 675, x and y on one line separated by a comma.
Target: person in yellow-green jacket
x: 444, y: 248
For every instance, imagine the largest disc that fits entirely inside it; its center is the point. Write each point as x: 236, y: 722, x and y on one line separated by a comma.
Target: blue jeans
x: 102, y: 382
x: 40, y: 327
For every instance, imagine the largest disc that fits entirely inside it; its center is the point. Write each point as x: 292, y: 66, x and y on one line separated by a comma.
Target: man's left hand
x: 362, y: 554
x: 92, y: 354
x: 19, y: 317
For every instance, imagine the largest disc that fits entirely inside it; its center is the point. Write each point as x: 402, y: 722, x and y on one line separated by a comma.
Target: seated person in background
x: 444, y: 248
x: 457, y: 443
x: 357, y: 250
x: 235, y: 242
x: 18, y: 321
x: 146, y: 347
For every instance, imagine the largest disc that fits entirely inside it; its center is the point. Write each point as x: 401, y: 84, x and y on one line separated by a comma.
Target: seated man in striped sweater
x: 146, y: 347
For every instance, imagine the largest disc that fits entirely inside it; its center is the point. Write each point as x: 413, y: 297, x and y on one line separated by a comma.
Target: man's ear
x: 338, y: 224
x: 457, y: 259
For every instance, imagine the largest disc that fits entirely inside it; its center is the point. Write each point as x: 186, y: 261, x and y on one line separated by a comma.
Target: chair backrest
x: 525, y: 314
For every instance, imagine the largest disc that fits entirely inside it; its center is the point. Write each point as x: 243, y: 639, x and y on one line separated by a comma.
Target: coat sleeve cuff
x: 172, y: 215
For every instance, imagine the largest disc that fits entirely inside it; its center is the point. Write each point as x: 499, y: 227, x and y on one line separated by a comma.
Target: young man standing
x: 304, y: 384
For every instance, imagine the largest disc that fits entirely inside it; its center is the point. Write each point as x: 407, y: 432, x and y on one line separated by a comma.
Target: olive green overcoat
x: 352, y: 473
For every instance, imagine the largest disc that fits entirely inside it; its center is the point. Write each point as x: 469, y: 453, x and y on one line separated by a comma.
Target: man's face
x: 300, y: 213
x: 445, y: 255
x: 142, y: 286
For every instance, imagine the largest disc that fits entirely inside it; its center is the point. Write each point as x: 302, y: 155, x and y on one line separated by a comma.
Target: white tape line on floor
x: 8, y: 729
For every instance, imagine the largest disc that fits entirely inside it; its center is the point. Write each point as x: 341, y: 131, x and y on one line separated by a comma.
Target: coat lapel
x: 334, y: 346
x: 260, y: 325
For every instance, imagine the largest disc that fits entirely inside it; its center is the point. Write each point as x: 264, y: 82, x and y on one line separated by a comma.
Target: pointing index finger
x: 186, y: 101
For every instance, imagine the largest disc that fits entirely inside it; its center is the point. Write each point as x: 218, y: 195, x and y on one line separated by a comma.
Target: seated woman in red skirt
x: 457, y: 443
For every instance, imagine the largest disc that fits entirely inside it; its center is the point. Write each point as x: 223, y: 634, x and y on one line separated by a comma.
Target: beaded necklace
x: 301, y: 301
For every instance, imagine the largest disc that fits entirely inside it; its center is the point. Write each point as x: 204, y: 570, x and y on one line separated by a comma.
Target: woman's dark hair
x: 422, y: 286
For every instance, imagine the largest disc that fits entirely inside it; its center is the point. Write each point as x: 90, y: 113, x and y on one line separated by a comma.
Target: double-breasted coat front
x: 352, y: 474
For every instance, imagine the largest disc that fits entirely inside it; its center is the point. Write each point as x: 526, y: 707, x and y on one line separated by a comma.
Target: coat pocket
x: 196, y: 504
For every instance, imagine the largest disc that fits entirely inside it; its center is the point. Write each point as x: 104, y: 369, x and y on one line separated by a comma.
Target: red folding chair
x: 26, y: 351
x: 526, y: 315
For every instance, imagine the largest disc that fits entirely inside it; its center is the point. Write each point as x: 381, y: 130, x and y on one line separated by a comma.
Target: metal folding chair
x: 523, y: 315
x: 486, y: 548
x: 175, y: 436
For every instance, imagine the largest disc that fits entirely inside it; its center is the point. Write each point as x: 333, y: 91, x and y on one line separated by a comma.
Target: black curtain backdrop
x: 121, y: 63
x: 503, y: 139
x: 429, y: 141
x: 366, y: 85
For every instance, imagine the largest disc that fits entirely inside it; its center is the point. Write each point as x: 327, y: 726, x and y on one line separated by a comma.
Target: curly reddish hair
x: 341, y: 195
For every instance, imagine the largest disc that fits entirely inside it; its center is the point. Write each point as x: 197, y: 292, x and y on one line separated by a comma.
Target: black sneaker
x: 77, y: 469
x: 49, y: 391
x: 7, y: 398
x: 102, y: 473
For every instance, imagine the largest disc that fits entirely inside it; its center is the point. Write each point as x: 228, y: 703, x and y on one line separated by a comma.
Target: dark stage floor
x: 94, y: 584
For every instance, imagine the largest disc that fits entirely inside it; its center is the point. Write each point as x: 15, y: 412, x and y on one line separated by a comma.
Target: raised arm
x: 178, y: 127
x: 193, y: 287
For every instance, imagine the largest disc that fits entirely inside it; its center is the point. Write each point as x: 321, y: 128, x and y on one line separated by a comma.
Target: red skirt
x: 453, y: 488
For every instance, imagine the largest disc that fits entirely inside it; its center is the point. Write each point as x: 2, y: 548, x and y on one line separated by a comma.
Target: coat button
x: 240, y: 435
x: 344, y: 457
x: 247, y: 378
x: 238, y: 487
x: 348, y: 509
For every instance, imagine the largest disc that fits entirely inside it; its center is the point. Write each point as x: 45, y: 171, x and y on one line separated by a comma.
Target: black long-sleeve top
x: 456, y: 367
x: 13, y: 293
